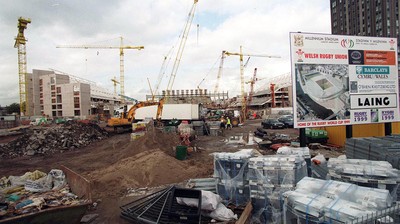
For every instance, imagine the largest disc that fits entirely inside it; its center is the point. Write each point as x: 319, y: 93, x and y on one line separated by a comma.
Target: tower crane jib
x: 121, y: 58
x: 241, y: 54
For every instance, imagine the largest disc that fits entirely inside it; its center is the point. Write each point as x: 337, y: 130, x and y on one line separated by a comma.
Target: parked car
x: 287, y: 120
x: 272, y: 123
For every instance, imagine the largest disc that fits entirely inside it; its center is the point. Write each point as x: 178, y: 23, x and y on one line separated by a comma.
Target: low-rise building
x: 57, y: 94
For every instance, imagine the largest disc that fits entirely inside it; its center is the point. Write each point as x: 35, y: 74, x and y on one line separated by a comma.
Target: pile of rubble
x: 68, y: 136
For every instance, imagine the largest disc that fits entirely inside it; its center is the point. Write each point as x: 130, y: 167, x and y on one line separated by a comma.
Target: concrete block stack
x: 375, y: 148
x: 230, y: 170
x: 269, y: 177
x: 367, y: 173
x: 328, y: 201
x: 214, y: 127
x: 199, y: 127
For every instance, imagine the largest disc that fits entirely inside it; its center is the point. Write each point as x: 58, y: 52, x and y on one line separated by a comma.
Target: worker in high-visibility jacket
x: 228, y: 123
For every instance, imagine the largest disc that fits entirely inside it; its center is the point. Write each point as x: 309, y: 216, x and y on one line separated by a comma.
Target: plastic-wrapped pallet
x: 288, y: 150
x: 269, y: 177
x: 345, y: 211
x: 231, y: 170
x: 363, y: 167
x: 367, y: 173
x: 332, y: 201
x: 301, y: 151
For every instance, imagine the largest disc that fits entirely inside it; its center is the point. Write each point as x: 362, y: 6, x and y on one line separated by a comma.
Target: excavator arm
x: 126, y: 118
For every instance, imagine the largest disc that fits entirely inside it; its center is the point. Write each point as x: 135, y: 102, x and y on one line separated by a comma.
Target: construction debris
x: 34, y: 192
x: 68, y: 136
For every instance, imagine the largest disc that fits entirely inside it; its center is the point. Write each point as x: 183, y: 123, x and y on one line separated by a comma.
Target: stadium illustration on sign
x: 322, y: 92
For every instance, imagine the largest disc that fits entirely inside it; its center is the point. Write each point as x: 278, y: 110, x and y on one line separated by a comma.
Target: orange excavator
x: 124, y: 121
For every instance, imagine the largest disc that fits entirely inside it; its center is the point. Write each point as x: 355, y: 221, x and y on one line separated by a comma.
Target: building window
x: 59, y: 113
x: 53, y: 87
x: 53, y: 100
x: 76, y: 102
x: 54, y: 113
x: 41, y: 95
x: 59, y: 107
x: 53, y: 94
x: 77, y: 112
x: 52, y: 80
x: 59, y: 99
x: 76, y: 93
x: 41, y: 101
x: 58, y: 89
x: 41, y: 89
x: 40, y: 82
x: 53, y: 107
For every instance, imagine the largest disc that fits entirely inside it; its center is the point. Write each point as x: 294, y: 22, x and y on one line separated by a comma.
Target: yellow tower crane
x: 115, y: 82
x: 241, y: 54
x: 121, y: 58
x: 20, y: 43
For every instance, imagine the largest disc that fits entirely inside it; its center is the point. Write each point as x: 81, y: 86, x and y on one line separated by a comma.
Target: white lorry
x: 190, y: 112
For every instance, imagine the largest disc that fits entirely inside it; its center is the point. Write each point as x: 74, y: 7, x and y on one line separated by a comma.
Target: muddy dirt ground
x: 116, y: 165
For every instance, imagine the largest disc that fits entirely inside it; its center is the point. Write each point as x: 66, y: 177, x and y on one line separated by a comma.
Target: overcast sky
x: 260, y: 26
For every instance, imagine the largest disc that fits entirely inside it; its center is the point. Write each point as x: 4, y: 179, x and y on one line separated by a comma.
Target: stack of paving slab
x: 385, y: 148
x: 319, y: 171
x: 214, y: 127
x: 329, y: 201
x: 367, y: 173
x: 230, y: 170
x: 301, y: 151
x: 199, y: 127
x: 269, y: 177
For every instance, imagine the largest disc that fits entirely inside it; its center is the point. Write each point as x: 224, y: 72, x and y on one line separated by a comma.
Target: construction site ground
x: 116, y: 166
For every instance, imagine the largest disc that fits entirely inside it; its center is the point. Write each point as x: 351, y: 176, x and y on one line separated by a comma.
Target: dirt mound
x: 68, y: 136
x: 146, y: 169
x: 156, y: 140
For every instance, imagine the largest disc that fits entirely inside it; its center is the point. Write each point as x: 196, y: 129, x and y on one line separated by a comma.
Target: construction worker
x: 228, y: 123
x: 222, y: 127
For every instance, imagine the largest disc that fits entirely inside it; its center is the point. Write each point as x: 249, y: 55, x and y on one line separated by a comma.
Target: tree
x: 12, y: 108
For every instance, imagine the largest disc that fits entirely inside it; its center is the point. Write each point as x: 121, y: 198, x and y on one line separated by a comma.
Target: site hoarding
x: 343, y: 80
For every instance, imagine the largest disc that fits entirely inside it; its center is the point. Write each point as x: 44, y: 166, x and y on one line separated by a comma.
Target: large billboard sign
x: 343, y: 80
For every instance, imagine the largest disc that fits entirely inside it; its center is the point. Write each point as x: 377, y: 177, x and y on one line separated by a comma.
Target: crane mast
x: 241, y: 54
x: 221, y: 65
x: 252, y: 82
x: 115, y: 81
x: 20, y: 44
x: 121, y: 58
x: 181, y: 46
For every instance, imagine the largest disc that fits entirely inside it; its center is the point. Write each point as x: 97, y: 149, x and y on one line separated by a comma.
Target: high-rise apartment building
x: 378, y: 18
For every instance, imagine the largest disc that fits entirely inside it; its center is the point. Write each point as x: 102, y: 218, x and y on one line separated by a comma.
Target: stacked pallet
x: 367, y: 173
x: 269, y: 177
x: 328, y: 201
x: 230, y: 170
x: 375, y: 148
